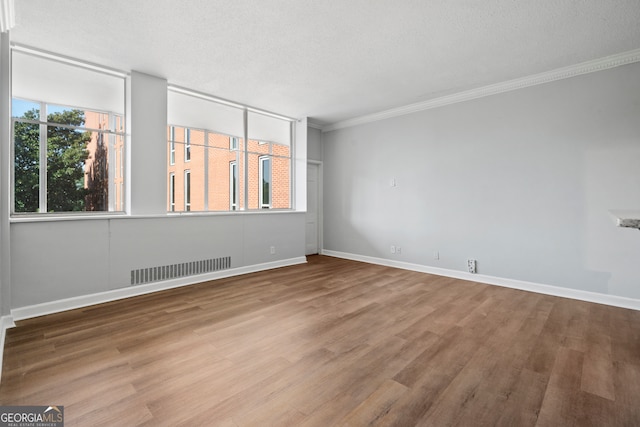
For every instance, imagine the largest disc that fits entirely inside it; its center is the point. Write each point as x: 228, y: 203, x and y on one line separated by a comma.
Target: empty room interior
x: 254, y: 213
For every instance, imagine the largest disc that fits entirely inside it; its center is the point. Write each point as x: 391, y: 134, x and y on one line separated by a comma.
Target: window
x: 187, y: 144
x: 269, y: 160
x: 233, y: 185
x: 67, y: 149
x: 265, y: 182
x: 226, y: 171
x: 187, y: 191
x: 172, y: 145
x: 172, y: 192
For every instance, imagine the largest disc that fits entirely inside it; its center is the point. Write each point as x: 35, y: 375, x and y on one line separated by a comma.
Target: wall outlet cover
x: 471, y: 265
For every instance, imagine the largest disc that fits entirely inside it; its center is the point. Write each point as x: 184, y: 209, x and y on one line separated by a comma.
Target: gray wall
x: 314, y: 144
x: 521, y: 181
x: 58, y: 259
x: 65, y: 259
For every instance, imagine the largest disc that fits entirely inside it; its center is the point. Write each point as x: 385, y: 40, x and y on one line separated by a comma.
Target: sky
x: 20, y: 106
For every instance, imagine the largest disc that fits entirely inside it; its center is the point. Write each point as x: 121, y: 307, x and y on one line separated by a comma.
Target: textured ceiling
x: 331, y: 60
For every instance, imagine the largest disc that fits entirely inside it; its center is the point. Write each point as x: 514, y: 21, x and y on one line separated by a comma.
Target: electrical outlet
x: 272, y: 250
x: 398, y: 250
x: 393, y: 249
x: 471, y: 265
x: 436, y: 255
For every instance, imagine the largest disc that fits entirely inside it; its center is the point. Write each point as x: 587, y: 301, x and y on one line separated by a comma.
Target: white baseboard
x: 557, y: 291
x: 116, y: 294
x: 6, y: 322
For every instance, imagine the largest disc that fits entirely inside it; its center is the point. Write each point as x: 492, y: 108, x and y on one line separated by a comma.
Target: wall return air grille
x: 174, y: 271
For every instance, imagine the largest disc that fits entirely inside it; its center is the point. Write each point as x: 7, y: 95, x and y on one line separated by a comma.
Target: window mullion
x: 111, y: 164
x: 42, y: 178
x: 292, y: 163
x: 246, y: 161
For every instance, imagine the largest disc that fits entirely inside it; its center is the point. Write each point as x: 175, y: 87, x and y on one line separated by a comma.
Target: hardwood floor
x: 332, y: 342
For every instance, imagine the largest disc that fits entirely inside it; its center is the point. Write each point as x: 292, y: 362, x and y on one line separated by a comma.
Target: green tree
x: 66, y: 155
x: 27, y: 165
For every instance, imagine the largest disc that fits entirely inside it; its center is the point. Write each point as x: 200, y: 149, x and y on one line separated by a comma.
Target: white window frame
x: 187, y: 190
x: 44, y: 124
x: 172, y: 145
x: 187, y: 110
x: 233, y: 192
x: 75, y: 102
x: 187, y: 144
x: 261, y: 161
x: 172, y: 192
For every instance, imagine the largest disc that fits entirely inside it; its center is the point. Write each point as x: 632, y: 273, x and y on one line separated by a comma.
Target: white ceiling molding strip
x: 201, y: 95
x: 7, y: 15
x: 197, y: 113
x: 607, y: 62
x: 314, y: 125
x: 67, y: 60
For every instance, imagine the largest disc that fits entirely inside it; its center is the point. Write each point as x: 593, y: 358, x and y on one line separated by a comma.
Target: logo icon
x: 32, y: 416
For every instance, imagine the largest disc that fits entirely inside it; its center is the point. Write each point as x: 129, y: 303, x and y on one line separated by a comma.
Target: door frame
x: 320, y: 203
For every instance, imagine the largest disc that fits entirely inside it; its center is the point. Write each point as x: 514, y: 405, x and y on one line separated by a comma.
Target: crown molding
x: 314, y: 125
x: 605, y: 63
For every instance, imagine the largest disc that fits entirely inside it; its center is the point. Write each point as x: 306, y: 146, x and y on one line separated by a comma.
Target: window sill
x: 19, y: 218
x: 238, y: 212
x: 29, y: 218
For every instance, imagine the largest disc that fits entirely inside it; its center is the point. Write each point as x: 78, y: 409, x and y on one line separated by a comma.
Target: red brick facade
x: 211, y: 165
x: 105, y: 181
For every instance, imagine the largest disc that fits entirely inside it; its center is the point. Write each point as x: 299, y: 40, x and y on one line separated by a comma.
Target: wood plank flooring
x: 331, y: 343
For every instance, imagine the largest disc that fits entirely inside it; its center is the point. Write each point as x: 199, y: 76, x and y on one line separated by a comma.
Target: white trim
x: 314, y: 125
x: 172, y: 191
x: 261, y: 161
x: 116, y: 294
x: 122, y: 215
x: 600, y: 64
x: 207, y: 97
x: 187, y: 190
x: 613, y: 300
x: 172, y: 145
x: 233, y: 192
x: 41, y: 53
x: 6, y: 322
x: 187, y: 145
x: 7, y: 17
